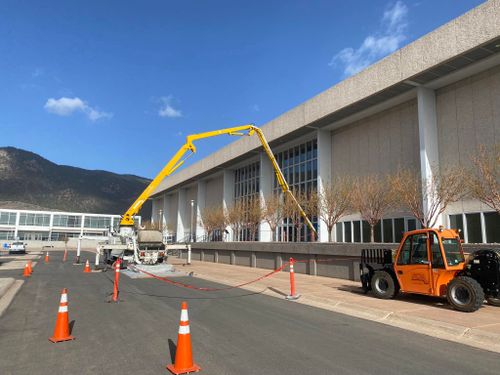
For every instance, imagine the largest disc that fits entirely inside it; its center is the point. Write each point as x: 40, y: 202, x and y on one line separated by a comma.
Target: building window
x: 347, y: 231
x: 474, y: 228
x: 33, y: 236
x: 246, y: 189
x: 39, y: 220
x: 492, y: 223
x: 62, y: 236
x: 388, y: 238
x: 457, y: 222
x: 338, y: 229
x: 399, y: 229
x: 7, y: 235
x: 97, y: 222
x: 7, y: 218
x: 299, y: 165
x: 68, y: 221
x: 357, y: 231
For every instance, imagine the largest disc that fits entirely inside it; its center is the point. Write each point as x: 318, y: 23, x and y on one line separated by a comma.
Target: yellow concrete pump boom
x: 177, y: 161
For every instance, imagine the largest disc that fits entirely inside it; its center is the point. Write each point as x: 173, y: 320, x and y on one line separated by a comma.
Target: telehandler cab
x: 432, y: 262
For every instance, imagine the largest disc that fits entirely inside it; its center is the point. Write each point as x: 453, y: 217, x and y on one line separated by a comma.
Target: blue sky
x: 116, y: 85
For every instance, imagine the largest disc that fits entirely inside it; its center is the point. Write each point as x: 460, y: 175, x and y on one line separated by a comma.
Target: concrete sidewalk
x: 422, y: 314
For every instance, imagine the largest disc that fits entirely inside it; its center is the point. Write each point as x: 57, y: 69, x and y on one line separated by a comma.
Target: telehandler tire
x: 465, y: 294
x: 493, y: 301
x: 383, y: 285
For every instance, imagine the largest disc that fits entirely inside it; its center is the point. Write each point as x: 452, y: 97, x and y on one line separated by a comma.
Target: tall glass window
x: 7, y: 218
x: 69, y: 221
x: 246, y: 188
x: 299, y: 165
x: 6, y: 235
x: 97, y: 222
x: 40, y: 220
x: 33, y: 236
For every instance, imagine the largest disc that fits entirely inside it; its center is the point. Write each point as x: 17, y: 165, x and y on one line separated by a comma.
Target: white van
x: 17, y: 248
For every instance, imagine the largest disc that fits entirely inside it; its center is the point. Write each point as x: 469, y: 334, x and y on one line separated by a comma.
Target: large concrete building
x: 428, y: 105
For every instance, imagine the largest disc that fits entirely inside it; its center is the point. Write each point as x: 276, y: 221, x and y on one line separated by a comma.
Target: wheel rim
x: 461, y: 295
x: 381, y: 285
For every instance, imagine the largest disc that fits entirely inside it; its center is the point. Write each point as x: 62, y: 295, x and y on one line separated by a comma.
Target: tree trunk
x: 372, y: 233
x: 330, y: 234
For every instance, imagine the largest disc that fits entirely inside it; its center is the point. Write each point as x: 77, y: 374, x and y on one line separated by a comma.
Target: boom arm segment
x: 177, y: 161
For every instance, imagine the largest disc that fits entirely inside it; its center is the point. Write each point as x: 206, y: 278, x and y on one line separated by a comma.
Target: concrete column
x: 200, y: 205
x: 181, y: 203
x: 313, y: 266
x: 324, y: 173
x: 166, y: 215
x: 216, y: 256
x: 428, y: 138
x: 253, y: 260
x: 154, y: 210
x: 82, y: 225
x: 16, y: 229
x: 228, y: 195
x: 232, y: 259
x: 266, y: 184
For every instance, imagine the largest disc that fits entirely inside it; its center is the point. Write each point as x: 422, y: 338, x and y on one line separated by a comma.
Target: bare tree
x: 444, y: 187
x: 373, y: 198
x: 484, y: 179
x: 213, y: 219
x: 235, y: 218
x: 253, y: 215
x: 335, y: 201
x: 273, y: 212
x: 291, y: 210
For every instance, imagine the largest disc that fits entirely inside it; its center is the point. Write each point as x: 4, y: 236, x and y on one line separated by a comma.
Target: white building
x: 429, y: 104
x: 28, y: 225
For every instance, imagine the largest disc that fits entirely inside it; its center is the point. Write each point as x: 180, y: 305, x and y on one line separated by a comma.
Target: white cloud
x: 386, y: 40
x: 167, y: 109
x: 67, y: 106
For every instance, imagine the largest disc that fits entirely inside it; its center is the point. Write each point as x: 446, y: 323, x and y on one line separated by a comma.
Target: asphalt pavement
x: 233, y: 332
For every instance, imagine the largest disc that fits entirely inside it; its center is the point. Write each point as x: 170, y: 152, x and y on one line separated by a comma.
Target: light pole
x: 192, y: 219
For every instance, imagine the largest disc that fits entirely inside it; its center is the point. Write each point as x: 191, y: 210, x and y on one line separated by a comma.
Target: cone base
x: 173, y: 370
x: 54, y: 339
x: 292, y: 298
x: 87, y: 271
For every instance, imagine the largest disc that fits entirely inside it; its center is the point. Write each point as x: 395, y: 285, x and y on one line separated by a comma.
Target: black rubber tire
x: 493, y: 301
x: 465, y: 294
x: 383, y: 285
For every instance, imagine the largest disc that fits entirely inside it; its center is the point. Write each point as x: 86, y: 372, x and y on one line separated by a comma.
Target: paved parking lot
x: 233, y: 332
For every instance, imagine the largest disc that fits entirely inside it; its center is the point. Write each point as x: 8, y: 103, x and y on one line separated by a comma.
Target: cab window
x: 414, y: 250
x: 437, y: 257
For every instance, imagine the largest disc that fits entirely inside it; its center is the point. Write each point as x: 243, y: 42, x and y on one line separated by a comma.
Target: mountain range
x: 29, y: 181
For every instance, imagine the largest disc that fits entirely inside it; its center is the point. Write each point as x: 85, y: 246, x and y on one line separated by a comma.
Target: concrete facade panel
x: 172, y: 203
x: 243, y: 258
x: 266, y: 260
x: 468, y: 117
x: 214, y: 191
x: 224, y: 257
x: 209, y: 256
x: 379, y: 144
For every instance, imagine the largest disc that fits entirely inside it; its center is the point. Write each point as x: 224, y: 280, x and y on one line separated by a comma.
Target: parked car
x: 17, y: 248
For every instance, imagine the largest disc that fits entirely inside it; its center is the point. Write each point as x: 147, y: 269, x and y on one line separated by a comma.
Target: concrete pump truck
x: 145, y: 246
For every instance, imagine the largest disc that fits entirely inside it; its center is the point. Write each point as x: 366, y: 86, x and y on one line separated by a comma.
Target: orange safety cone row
x: 26, y: 272
x: 293, y: 295
x: 47, y: 257
x: 61, y: 330
x: 30, y: 268
x: 87, y: 267
x: 183, y: 363
x: 116, y: 291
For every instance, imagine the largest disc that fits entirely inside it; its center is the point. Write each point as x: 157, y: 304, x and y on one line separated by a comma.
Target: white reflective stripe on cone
x: 63, y: 309
x: 183, y: 330
x: 64, y: 298
x: 184, y: 316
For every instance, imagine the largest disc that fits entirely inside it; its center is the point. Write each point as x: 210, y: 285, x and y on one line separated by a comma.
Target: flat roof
x: 449, y: 49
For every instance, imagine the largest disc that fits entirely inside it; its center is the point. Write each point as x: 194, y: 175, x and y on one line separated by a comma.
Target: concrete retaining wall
x: 339, y: 260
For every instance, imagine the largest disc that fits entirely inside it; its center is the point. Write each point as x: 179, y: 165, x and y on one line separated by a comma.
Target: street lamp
x: 192, y: 219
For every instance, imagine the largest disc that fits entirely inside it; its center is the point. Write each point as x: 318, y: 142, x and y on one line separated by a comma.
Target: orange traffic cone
x: 61, y: 331
x: 26, y: 272
x: 47, y: 257
x: 29, y: 267
x: 183, y: 355
x: 65, y: 257
x: 87, y: 267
